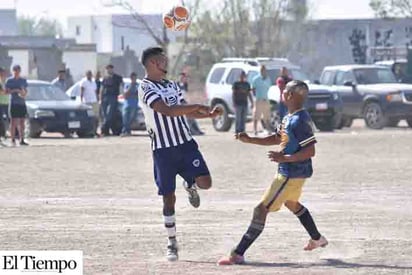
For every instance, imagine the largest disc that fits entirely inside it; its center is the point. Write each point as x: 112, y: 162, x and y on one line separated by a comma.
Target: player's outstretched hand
x: 276, y: 156
x: 217, y: 111
x: 203, y: 109
x: 243, y: 137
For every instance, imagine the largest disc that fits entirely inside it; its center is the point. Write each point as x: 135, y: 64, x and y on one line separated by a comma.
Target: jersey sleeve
x: 304, y: 133
x: 149, y: 94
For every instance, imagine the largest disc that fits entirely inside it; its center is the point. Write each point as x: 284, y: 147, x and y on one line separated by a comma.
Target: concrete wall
x: 80, y: 28
x: 79, y: 62
x: 337, y: 42
x: 135, y: 39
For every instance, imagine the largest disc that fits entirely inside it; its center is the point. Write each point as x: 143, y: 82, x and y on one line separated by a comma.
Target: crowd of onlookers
x: 100, y: 93
x: 259, y: 86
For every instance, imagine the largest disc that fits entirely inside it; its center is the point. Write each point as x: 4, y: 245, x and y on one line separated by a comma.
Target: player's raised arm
x: 269, y: 140
x: 178, y: 110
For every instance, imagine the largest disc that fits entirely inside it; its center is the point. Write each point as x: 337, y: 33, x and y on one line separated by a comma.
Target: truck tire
x: 222, y: 123
x: 409, y: 121
x: 325, y: 125
x: 392, y: 122
x: 31, y: 129
x: 373, y: 116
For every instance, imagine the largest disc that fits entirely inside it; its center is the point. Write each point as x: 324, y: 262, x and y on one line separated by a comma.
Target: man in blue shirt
x: 260, y: 86
x: 16, y: 86
x: 297, y: 146
x: 129, y: 105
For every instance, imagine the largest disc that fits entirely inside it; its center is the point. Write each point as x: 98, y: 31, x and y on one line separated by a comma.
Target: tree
x: 391, y: 8
x: 31, y: 26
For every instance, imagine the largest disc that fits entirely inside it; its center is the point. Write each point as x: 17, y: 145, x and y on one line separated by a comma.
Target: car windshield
x: 374, y: 76
x: 45, y: 92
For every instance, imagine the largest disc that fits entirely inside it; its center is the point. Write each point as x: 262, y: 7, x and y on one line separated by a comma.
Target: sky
x: 61, y: 9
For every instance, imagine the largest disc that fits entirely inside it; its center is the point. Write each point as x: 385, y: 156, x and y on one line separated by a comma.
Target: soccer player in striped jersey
x: 297, y: 142
x: 175, y: 152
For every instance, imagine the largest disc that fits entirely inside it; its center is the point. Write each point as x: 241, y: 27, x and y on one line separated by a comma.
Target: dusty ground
x: 98, y: 196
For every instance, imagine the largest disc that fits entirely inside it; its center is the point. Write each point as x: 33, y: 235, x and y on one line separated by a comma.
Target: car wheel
x: 31, y: 129
x: 373, y: 115
x: 274, y: 120
x: 392, y: 122
x: 223, y: 122
x: 327, y: 125
x: 85, y: 134
x: 409, y: 121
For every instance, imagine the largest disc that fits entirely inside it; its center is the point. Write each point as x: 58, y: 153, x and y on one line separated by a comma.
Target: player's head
x: 133, y: 77
x: 295, y: 93
x: 89, y: 75
x: 155, y: 61
x: 284, y: 71
x: 16, y: 70
x: 263, y: 71
x: 242, y: 76
x: 109, y: 69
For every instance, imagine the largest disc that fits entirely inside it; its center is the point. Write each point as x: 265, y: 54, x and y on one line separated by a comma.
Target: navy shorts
x: 184, y: 160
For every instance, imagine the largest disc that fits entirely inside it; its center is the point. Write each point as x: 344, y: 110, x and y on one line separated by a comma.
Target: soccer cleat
x: 171, y: 254
x: 313, y: 244
x: 232, y: 259
x: 192, y: 194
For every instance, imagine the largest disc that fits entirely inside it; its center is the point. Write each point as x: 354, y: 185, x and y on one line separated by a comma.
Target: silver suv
x: 223, y: 74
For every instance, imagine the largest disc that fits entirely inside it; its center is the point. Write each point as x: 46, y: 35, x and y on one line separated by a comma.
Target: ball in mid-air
x: 177, y: 19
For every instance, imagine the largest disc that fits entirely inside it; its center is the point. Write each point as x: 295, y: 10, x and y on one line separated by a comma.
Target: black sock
x: 249, y: 237
x: 307, y: 221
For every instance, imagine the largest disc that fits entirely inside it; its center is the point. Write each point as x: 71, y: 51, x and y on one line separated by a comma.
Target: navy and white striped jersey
x: 165, y: 131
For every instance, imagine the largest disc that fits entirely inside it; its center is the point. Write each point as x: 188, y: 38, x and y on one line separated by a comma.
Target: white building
x: 114, y: 33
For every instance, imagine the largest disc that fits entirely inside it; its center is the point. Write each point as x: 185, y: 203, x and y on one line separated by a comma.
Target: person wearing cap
x: 60, y: 80
x: 109, y: 92
x: 4, y: 106
x: 16, y: 86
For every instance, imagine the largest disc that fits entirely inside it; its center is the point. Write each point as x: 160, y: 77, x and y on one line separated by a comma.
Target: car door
x: 214, y: 83
x: 349, y: 94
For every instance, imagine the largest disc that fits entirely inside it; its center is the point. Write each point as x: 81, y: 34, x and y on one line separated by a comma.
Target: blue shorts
x: 184, y: 160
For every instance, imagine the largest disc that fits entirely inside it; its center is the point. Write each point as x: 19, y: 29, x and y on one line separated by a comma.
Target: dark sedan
x: 51, y: 110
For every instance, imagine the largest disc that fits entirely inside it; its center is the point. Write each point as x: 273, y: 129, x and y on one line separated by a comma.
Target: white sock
x: 170, y: 224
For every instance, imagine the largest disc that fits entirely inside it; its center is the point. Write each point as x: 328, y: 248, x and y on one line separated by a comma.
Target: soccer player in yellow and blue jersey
x: 297, y: 146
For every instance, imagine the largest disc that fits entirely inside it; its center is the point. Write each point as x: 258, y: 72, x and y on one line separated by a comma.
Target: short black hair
x: 297, y: 86
x: 150, y: 52
x: 133, y: 74
x: 16, y: 68
x: 110, y: 66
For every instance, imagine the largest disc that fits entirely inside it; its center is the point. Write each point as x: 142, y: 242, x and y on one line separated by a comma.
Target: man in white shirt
x: 88, y: 89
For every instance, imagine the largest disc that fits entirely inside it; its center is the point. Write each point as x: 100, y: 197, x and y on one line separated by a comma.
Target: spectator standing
x: 260, y: 85
x: 88, y: 94
x: 108, y: 97
x: 4, y: 107
x: 60, y: 81
x: 240, y: 93
x: 281, y: 82
x: 129, y: 105
x: 183, y: 86
x: 16, y: 86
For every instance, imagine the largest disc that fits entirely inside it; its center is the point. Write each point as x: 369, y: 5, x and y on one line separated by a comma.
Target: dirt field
x: 98, y: 196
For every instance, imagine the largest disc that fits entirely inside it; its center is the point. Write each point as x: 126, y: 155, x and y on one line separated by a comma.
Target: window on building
x: 122, y: 43
x: 78, y: 30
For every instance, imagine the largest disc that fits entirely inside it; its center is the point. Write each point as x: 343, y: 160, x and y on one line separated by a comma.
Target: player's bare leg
x: 255, y: 229
x: 305, y: 218
x: 169, y: 201
x: 203, y: 182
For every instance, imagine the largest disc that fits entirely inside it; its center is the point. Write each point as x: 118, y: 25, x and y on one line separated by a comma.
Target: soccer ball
x: 177, y: 19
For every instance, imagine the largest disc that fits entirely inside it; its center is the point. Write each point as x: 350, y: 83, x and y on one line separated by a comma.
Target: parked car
x: 323, y: 105
x: 370, y: 92
x: 398, y: 67
x: 51, y: 110
x: 138, y: 123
